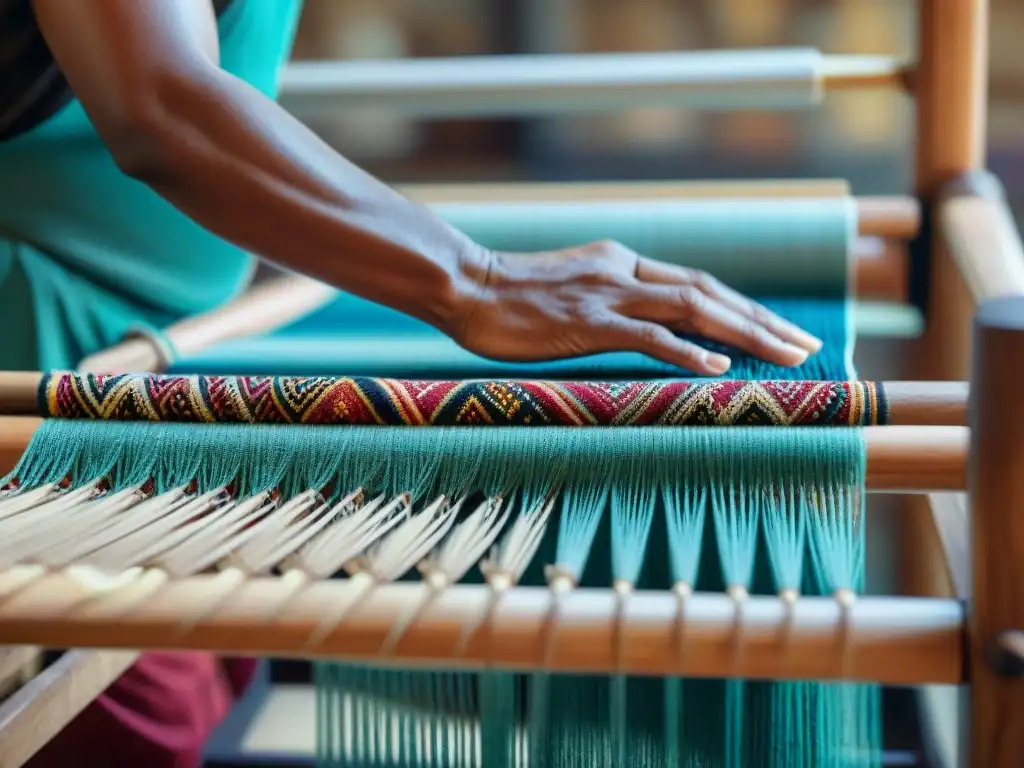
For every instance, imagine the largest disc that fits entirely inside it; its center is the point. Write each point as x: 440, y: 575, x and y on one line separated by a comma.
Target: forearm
x: 241, y: 166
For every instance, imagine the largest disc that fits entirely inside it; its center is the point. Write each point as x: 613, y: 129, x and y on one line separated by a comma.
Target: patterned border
x: 389, y: 402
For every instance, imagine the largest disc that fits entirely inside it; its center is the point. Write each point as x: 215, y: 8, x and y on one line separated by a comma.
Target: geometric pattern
x: 327, y: 400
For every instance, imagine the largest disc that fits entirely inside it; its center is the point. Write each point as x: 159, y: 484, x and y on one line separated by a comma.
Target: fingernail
x: 717, y: 364
x: 811, y: 343
x: 796, y: 355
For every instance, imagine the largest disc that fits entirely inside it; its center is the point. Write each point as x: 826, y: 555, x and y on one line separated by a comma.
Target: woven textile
x: 367, y: 401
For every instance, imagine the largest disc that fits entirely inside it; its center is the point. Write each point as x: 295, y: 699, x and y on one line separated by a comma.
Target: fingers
x: 667, y: 274
x: 685, y: 308
x: 660, y: 343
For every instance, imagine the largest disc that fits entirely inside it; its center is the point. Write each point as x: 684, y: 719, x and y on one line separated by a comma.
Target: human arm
x: 147, y: 73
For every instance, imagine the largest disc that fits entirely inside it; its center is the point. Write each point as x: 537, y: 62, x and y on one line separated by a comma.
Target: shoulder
x: 32, y: 87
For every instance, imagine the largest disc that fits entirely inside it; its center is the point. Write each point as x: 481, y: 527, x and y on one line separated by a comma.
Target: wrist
x: 453, y: 306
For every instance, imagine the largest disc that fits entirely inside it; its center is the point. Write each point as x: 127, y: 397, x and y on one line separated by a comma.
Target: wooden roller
x: 881, y: 264
x: 562, y: 191
x: 910, y: 403
x: 879, y: 216
x: 520, y: 86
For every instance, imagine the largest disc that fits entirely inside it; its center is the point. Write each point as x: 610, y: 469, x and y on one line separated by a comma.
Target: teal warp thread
x: 422, y: 461
x: 641, y: 490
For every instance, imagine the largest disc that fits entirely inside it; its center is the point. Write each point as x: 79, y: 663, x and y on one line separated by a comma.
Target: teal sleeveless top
x: 88, y: 254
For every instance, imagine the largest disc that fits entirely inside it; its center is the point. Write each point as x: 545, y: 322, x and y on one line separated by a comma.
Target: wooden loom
x: 976, y: 267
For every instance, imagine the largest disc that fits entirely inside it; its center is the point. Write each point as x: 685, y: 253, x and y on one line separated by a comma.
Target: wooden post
x: 996, y: 488
x: 950, y: 87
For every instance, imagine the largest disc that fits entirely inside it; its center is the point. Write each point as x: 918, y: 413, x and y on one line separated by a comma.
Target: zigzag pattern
x: 390, y: 402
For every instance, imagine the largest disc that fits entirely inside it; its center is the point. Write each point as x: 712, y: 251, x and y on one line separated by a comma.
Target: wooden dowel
x: 924, y: 403
x: 882, y: 270
x: 892, y: 216
x: 270, y: 306
x: 910, y: 403
x: 916, y: 459
x: 521, y: 86
x: 849, y: 72
x: 19, y: 395
x: 37, y: 712
x: 890, y: 640
x: 982, y: 237
x: 952, y: 524
x: 877, y: 216
x: 899, y: 459
x: 996, y: 487
x: 563, y: 191
x: 263, y: 308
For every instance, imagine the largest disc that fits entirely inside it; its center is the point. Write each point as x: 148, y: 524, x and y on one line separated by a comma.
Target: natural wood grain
x: 983, y: 242
x: 996, y: 488
x: 952, y: 523
x: 37, y: 712
x: 895, y: 640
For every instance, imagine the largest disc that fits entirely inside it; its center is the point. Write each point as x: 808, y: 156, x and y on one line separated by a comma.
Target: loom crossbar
x: 900, y: 641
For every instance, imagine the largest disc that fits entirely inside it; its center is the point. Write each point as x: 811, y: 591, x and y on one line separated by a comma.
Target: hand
x: 603, y: 297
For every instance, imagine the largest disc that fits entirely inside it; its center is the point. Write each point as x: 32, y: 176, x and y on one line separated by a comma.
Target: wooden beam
x: 996, y: 489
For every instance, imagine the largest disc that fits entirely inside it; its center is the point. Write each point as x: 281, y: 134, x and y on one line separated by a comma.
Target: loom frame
x: 976, y: 262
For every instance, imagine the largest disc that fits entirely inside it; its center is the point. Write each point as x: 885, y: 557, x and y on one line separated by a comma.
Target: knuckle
x: 704, y: 282
x: 753, y: 332
x: 603, y: 248
x: 764, y: 317
x: 757, y: 313
x: 691, y: 301
x: 651, y: 336
x: 757, y: 336
x: 687, y: 275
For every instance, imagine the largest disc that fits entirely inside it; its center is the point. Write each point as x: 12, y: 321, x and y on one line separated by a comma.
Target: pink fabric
x: 159, y: 714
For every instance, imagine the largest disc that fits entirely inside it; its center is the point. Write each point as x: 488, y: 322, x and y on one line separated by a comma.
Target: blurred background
x: 865, y: 137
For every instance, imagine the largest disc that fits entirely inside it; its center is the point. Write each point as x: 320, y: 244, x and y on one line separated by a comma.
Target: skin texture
x: 146, y: 72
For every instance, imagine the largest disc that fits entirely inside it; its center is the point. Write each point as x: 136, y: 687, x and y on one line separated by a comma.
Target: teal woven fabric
x: 352, y: 337
x: 793, y: 255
